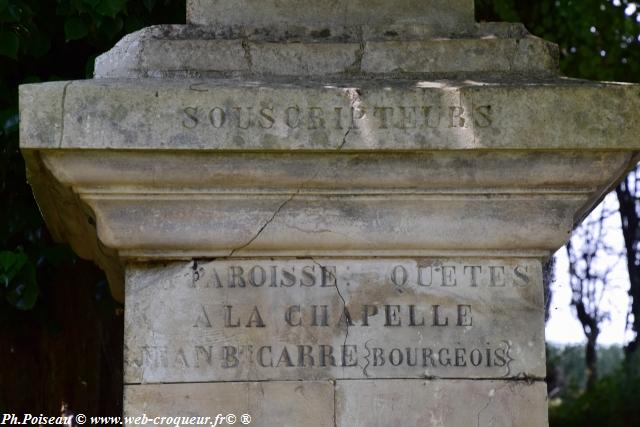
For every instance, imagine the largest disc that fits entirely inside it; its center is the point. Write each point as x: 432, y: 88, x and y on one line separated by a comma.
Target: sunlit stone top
x: 438, y: 16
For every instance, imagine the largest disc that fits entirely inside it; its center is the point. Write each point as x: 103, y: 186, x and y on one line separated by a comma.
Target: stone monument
x: 328, y: 213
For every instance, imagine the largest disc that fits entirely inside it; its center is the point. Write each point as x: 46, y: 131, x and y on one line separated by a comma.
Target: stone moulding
x: 161, y: 200
x: 438, y: 16
x: 193, y: 51
x: 353, y: 144
x: 275, y: 166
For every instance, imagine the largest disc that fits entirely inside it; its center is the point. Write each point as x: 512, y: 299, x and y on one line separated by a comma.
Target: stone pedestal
x: 328, y: 213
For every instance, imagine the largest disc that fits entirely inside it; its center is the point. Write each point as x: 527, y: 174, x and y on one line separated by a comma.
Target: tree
x: 628, y: 192
x: 589, y: 270
x: 599, y: 40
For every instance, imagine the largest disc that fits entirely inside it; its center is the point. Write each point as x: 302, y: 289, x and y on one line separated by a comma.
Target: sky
x: 563, y: 326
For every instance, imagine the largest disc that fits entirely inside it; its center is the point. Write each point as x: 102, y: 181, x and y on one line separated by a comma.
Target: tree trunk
x: 548, y: 277
x: 591, y: 360
x: 630, y: 222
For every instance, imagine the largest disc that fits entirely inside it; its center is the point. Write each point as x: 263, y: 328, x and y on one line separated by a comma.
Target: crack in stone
x: 335, y: 421
x: 344, y: 304
x: 483, y: 409
x: 194, y: 87
x: 491, y: 397
x: 357, y: 64
x: 353, y: 95
x: 247, y: 53
x: 62, y: 103
x: 344, y: 313
x: 267, y: 222
x: 277, y: 211
x: 305, y: 230
x: 514, y: 55
x: 344, y: 140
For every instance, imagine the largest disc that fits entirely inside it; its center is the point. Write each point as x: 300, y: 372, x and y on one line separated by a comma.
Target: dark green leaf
x: 9, y: 44
x: 10, y: 264
x: 64, y: 7
x: 10, y: 123
x: 110, y: 27
x: 32, y: 79
x: 12, y: 13
x: 110, y: 7
x: 75, y: 28
x: 149, y: 4
x: 133, y: 23
x: 8, y: 119
x: 57, y: 255
x: 92, y: 3
x: 38, y: 45
x: 23, y: 292
x: 89, y: 66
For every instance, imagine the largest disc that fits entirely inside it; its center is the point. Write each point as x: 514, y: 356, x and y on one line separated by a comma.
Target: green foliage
x: 9, y: 44
x: 18, y: 279
x: 597, y: 39
x: 42, y: 41
x: 567, y: 366
x: 75, y: 28
x: 613, y: 402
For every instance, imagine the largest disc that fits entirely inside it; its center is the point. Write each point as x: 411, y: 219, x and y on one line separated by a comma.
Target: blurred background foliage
x: 60, y: 331
x: 599, y: 40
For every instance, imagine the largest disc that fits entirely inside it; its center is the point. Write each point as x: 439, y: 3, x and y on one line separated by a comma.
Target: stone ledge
x: 439, y: 15
x: 179, y: 51
x: 354, y: 115
x: 117, y: 205
x: 286, y: 150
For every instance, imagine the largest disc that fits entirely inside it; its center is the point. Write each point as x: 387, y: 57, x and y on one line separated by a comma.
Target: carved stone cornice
x: 388, y: 137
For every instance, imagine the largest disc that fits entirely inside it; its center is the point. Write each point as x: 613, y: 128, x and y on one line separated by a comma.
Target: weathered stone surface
x: 379, y: 182
x: 362, y: 403
x: 441, y: 56
x: 440, y: 16
x: 440, y: 403
x: 44, y: 115
x: 456, y: 203
x: 360, y: 115
x: 332, y: 318
x: 273, y: 403
x: 185, y: 51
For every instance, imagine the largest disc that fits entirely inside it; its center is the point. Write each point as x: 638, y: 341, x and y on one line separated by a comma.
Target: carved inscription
x: 309, y: 319
x: 338, y: 118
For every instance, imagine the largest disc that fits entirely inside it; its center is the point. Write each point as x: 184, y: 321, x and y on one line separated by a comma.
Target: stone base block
x: 350, y: 403
x: 454, y: 403
x: 269, y: 404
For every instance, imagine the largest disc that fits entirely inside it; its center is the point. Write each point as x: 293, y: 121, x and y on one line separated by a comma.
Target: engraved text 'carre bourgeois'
x: 258, y: 319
